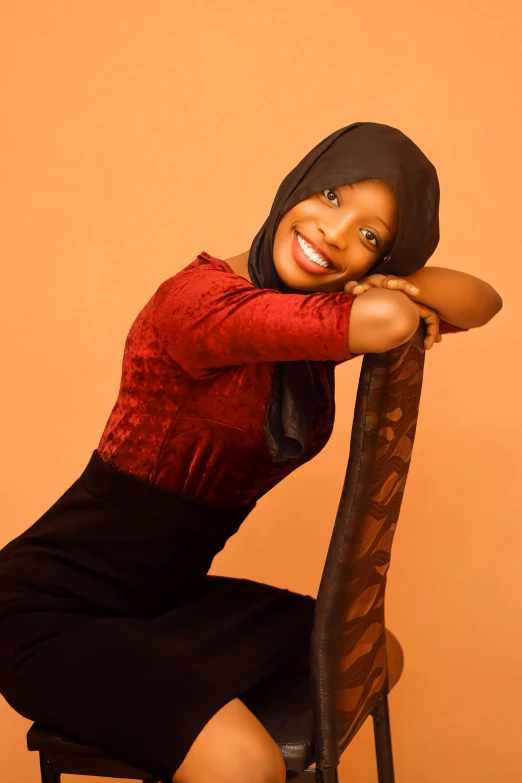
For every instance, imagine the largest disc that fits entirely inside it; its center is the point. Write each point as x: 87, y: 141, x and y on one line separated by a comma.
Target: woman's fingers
x: 355, y: 287
x: 381, y: 281
x: 431, y: 320
x: 393, y: 283
x: 432, y: 330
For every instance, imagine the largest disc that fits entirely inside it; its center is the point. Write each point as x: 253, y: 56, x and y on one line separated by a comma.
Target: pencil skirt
x: 113, y: 632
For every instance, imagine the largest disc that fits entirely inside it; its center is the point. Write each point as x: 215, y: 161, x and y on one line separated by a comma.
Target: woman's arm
x: 459, y: 298
x: 208, y: 319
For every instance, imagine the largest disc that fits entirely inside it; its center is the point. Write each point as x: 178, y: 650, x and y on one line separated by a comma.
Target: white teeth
x: 310, y: 253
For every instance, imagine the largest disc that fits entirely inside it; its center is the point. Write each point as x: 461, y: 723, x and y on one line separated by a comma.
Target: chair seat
x: 284, y: 711
x: 74, y: 758
x: 290, y: 722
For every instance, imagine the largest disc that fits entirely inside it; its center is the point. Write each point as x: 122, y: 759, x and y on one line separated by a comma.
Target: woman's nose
x: 339, y: 233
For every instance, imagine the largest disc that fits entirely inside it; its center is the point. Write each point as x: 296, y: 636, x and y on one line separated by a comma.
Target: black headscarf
x: 362, y: 150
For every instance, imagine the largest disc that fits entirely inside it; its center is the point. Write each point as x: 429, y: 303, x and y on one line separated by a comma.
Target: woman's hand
x: 380, y: 281
x: 429, y: 316
x: 431, y: 320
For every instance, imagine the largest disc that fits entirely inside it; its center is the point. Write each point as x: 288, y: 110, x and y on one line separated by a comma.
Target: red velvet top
x: 196, y: 378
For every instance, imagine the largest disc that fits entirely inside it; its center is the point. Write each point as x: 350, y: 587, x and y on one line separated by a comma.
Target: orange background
x: 137, y: 134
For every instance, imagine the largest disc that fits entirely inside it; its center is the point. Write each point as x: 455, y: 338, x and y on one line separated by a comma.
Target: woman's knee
x: 233, y: 747
x: 257, y: 761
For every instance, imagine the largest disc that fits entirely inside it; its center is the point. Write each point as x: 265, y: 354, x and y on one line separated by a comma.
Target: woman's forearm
x: 460, y: 299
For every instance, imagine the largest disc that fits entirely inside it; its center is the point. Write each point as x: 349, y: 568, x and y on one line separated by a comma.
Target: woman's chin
x: 307, y: 284
x: 300, y: 283
x: 296, y: 278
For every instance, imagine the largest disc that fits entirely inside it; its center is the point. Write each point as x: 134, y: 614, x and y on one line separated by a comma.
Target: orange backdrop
x: 137, y: 134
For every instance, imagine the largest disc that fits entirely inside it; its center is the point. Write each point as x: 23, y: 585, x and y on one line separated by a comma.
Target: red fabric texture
x: 196, y: 375
x: 446, y: 328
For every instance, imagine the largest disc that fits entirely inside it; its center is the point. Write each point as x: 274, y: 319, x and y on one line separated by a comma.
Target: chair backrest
x: 348, y: 645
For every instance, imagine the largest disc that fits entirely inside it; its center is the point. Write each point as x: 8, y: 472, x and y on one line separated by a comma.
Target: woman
x: 112, y: 629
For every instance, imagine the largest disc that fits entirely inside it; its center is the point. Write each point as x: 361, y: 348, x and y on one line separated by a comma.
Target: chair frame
x: 348, y: 686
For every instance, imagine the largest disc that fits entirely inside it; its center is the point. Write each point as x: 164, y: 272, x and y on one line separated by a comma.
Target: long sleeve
x: 446, y: 328
x: 208, y: 318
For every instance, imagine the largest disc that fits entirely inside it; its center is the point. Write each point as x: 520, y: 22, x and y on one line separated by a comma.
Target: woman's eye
x: 373, y: 235
x: 373, y: 238
x: 329, y: 190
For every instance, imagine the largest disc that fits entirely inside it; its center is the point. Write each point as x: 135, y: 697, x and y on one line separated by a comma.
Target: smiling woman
x: 227, y: 387
x: 350, y: 227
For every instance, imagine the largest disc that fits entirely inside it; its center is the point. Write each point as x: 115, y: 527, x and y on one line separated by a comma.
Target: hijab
x: 362, y: 150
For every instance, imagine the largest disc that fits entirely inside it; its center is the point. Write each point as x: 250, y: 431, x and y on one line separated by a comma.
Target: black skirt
x: 113, y: 632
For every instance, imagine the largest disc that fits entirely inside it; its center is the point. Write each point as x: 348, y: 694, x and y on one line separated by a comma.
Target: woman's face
x: 351, y: 227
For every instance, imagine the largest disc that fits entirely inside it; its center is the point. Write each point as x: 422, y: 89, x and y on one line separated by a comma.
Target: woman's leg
x: 233, y: 747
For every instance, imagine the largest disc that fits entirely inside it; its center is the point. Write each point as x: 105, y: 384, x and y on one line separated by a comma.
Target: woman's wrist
x: 461, y: 299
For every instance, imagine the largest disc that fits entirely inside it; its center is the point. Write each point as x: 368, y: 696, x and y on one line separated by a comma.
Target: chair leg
x: 328, y: 775
x: 383, y: 744
x: 48, y: 771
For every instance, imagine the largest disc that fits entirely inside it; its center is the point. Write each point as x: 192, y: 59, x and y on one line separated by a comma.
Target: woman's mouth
x: 308, y: 259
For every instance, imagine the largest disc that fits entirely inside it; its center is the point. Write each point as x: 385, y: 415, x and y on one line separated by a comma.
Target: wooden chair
x: 354, y: 659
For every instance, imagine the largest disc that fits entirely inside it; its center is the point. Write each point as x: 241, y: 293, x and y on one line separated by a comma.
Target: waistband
x: 125, y: 490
